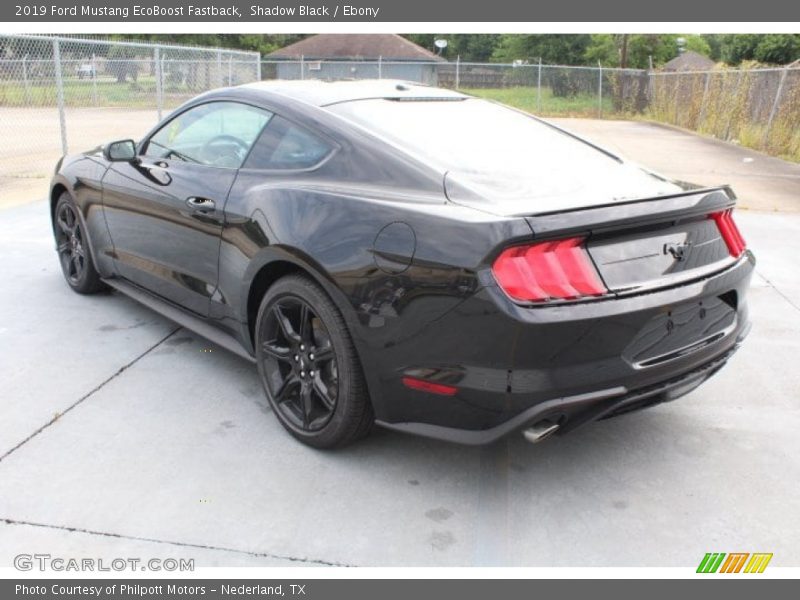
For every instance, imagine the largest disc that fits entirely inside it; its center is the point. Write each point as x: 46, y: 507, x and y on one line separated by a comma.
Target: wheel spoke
x: 66, y: 262
x: 63, y: 225
x: 283, y: 393
x: 322, y: 392
x: 63, y: 247
x: 285, y: 324
x: 323, y: 354
x: 308, y: 404
x: 276, y: 351
x: 304, y: 330
x: 76, y: 262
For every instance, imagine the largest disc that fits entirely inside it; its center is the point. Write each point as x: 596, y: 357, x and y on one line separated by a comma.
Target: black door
x: 165, y: 209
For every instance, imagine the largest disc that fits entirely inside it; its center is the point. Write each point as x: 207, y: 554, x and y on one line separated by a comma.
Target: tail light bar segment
x: 552, y: 270
x: 730, y: 232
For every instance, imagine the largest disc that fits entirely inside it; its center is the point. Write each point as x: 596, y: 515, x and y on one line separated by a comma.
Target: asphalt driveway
x: 123, y: 435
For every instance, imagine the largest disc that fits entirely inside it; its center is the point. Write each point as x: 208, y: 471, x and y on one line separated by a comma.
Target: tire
x: 72, y: 245
x: 308, y: 365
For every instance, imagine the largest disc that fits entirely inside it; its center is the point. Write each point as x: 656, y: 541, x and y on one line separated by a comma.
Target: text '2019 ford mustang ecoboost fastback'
x: 392, y: 253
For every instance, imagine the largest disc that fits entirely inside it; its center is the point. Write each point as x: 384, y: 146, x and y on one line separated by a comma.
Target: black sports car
x: 412, y: 256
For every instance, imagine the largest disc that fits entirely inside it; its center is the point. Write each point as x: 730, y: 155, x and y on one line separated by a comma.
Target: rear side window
x: 285, y: 146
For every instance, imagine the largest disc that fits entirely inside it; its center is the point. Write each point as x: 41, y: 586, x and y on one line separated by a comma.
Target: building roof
x: 324, y: 93
x: 361, y: 46
x: 689, y: 61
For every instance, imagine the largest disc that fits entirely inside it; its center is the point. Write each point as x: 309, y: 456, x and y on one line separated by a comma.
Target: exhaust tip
x: 541, y: 430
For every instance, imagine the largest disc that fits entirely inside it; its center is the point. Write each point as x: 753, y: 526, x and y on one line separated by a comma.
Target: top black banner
x: 393, y: 11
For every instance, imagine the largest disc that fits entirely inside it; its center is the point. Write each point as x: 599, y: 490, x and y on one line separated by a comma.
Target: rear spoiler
x: 632, y: 213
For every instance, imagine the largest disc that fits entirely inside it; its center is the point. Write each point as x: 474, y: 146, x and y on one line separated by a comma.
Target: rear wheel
x: 308, y: 365
x: 72, y: 245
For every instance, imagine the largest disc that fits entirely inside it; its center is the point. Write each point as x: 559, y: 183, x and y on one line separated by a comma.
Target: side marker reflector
x: 428, y: 386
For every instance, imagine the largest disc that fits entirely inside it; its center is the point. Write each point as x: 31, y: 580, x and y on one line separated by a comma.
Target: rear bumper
x: 571, y: 364
x: 577, y: 410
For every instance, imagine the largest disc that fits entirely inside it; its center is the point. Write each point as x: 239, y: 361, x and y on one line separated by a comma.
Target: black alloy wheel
x: 300, y: 364
x: 71, y: 249
x: 308, y: 365
x: 72, y: 245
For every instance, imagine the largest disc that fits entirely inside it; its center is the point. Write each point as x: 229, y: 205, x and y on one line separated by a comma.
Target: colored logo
x: 734, y: 562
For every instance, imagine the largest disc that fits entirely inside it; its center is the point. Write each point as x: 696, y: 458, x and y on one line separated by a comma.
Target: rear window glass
x: 491, y: 154
x: 284, y: 145
x: 467, y: 135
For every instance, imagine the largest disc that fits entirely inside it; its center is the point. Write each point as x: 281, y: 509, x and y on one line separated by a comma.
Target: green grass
x: 106, y: 92
x: 525, y: 98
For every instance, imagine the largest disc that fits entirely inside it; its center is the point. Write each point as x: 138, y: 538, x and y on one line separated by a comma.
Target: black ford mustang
x: 391, y: 253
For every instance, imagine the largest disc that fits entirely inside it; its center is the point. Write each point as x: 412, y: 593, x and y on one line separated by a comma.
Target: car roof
x: 325, y: 93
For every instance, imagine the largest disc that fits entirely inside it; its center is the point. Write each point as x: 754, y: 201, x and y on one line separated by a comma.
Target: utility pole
x: 623, y: 52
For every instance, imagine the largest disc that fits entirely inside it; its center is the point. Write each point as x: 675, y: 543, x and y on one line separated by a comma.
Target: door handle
x: 200, y: 204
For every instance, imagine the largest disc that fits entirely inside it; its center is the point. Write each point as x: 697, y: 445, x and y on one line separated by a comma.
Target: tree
x: 122, y: 63
x: 475, y: 47
x: 259, y: 42
x: 776, y: 48
x: 566, y: 49
x: 662, y: 48
x: 603, y: 49
x: 471, y: 47
x: 714, y: 42
x: 699, y: 44
x: 608, y: 49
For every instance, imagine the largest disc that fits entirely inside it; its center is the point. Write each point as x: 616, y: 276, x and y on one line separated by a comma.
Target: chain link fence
x: 545, y: 89
x: 65, y: 94
x: 757, y: 108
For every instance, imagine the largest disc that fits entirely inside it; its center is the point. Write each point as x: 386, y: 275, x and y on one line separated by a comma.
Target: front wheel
x: 72, y: 244
x: 308, y: 365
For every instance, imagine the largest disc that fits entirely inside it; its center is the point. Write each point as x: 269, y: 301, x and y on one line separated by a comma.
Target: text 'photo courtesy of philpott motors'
x: 135, y: 590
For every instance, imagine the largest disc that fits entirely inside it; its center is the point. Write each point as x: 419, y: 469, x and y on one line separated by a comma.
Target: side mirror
x: 120, y: 151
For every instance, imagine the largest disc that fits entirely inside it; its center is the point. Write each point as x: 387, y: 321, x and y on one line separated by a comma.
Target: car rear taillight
x: 553, y: 270
x: 730, y: 233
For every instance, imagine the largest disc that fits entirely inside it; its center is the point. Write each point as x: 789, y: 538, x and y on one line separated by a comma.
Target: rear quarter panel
x: 388, y: 297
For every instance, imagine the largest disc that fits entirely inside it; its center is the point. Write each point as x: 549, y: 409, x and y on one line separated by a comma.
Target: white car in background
x: 86, y: 70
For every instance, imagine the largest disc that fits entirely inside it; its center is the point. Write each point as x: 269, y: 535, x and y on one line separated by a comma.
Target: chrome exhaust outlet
x: 539, y: 431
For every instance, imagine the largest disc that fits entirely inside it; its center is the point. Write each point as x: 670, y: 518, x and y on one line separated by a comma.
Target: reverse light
x: 730, y: 232
x: 429, y: 386
x: 553, y: 270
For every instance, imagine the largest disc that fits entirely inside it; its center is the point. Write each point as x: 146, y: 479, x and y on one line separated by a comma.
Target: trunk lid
x: 562, y: 183
x: 647, y: 243
x: 668, y: 252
